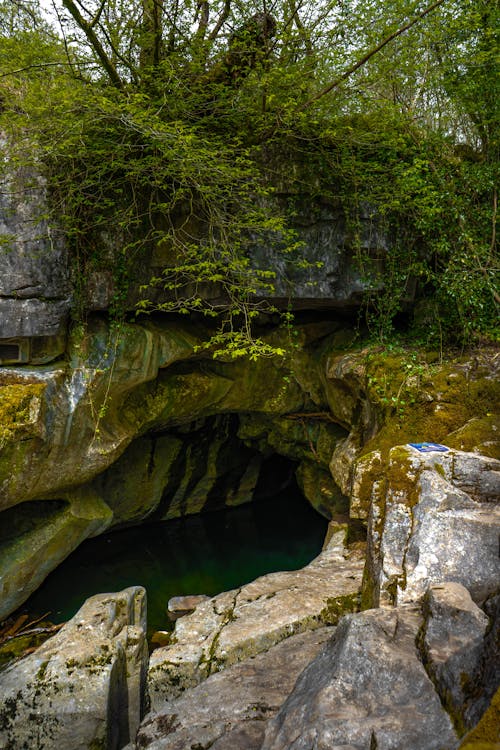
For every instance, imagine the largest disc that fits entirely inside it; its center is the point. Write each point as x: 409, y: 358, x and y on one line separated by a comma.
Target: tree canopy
x: 152, y: 121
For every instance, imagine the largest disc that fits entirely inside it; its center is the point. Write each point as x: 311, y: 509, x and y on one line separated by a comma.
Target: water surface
x: 203, y: 554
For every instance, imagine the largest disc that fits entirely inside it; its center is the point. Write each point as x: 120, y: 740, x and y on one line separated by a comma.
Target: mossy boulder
x: 389, y: 398
x: 20, y: 405
x: 434, y: 517
x: 85, y: 686
x: 486, y: 735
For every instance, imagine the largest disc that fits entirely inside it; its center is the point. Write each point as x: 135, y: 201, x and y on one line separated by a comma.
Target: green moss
x: 486, y: 735
x: 42, y: 669
x: 368, y: 471
x: 440, y: 470
x: 15, y: 648
x: 16, y: 401
x: 414, y: 402
x: 479, y: 433
x: 338, y: 606
x: 368, y: 593
x: 410, y: 401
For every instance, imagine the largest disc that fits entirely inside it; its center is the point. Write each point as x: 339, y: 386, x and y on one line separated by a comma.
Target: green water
x: 202, y: 554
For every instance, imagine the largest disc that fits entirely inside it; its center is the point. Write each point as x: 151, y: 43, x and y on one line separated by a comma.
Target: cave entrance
x: 200, y: 554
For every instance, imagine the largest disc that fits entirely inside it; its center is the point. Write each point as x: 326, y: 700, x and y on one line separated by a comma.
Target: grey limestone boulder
x: 390, y: 679
x: 367, y: 689
x: 452, y: 643
x: 83, y: 688
x: 484, y: 684
x: 434, y: 517
x: 230, y: 709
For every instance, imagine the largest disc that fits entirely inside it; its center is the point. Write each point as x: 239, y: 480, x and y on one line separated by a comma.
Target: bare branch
x: 119, y: 56
x: 65, y: 40
x: 220, y: 21
x: 36, y: 66
x: 97, y: 15
x: 94, y: 42
x: 347, y: 73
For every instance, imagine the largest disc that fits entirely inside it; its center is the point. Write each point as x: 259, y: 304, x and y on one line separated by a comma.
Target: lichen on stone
x: 18, y: 406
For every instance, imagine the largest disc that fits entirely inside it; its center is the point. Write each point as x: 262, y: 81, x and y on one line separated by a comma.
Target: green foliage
x: 437, y: 208
x: 154, y: 123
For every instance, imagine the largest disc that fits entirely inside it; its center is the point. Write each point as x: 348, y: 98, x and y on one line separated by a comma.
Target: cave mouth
x: 200, y: 554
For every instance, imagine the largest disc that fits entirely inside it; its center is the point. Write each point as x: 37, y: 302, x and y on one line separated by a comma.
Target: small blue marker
x: 429, y: 447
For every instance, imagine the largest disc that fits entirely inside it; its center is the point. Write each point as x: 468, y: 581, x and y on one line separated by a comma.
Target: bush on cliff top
x: 152, y: 124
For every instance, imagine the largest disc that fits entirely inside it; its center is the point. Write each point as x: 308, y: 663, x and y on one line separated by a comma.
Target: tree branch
x: 220, y: 21
x: 347, y: 73
x: 204, y: 11
x: 36, y: 66
x: 94, y: 42
x: 98, y: 14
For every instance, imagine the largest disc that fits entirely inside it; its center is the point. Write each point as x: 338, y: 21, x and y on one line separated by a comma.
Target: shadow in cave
x: 201, y: 554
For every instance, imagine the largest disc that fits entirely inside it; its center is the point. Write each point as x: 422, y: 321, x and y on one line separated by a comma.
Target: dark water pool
x: 195, y: 555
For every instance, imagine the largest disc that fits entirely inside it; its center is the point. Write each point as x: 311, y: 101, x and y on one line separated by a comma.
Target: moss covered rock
x: 388, y: 398
x: 486, y: 735
x: 434, y: 517
x: 85, y: 687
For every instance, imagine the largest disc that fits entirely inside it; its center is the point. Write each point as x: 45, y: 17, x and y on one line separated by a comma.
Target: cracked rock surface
x: 366, y: 689
x: 435, y: 517
x: 388, y: 679
x: 391, y: 679
x: 83, y: 688
x: 236, y: 625
x: 230, y: 709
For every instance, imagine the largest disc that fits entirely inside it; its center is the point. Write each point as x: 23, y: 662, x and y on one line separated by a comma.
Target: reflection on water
x: 195, y: 555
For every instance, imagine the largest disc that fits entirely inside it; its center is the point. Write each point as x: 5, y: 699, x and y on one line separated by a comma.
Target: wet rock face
x: 84, y: 688
x: 200, y: 467
x: 36, y: 536
x: 137, y: 426
x: 434, y: 517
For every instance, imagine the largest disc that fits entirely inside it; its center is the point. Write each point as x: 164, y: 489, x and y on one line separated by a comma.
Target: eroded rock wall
x: 35, y: 292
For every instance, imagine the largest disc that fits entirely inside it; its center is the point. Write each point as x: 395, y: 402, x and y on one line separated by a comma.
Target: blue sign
x: 429, y: 447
